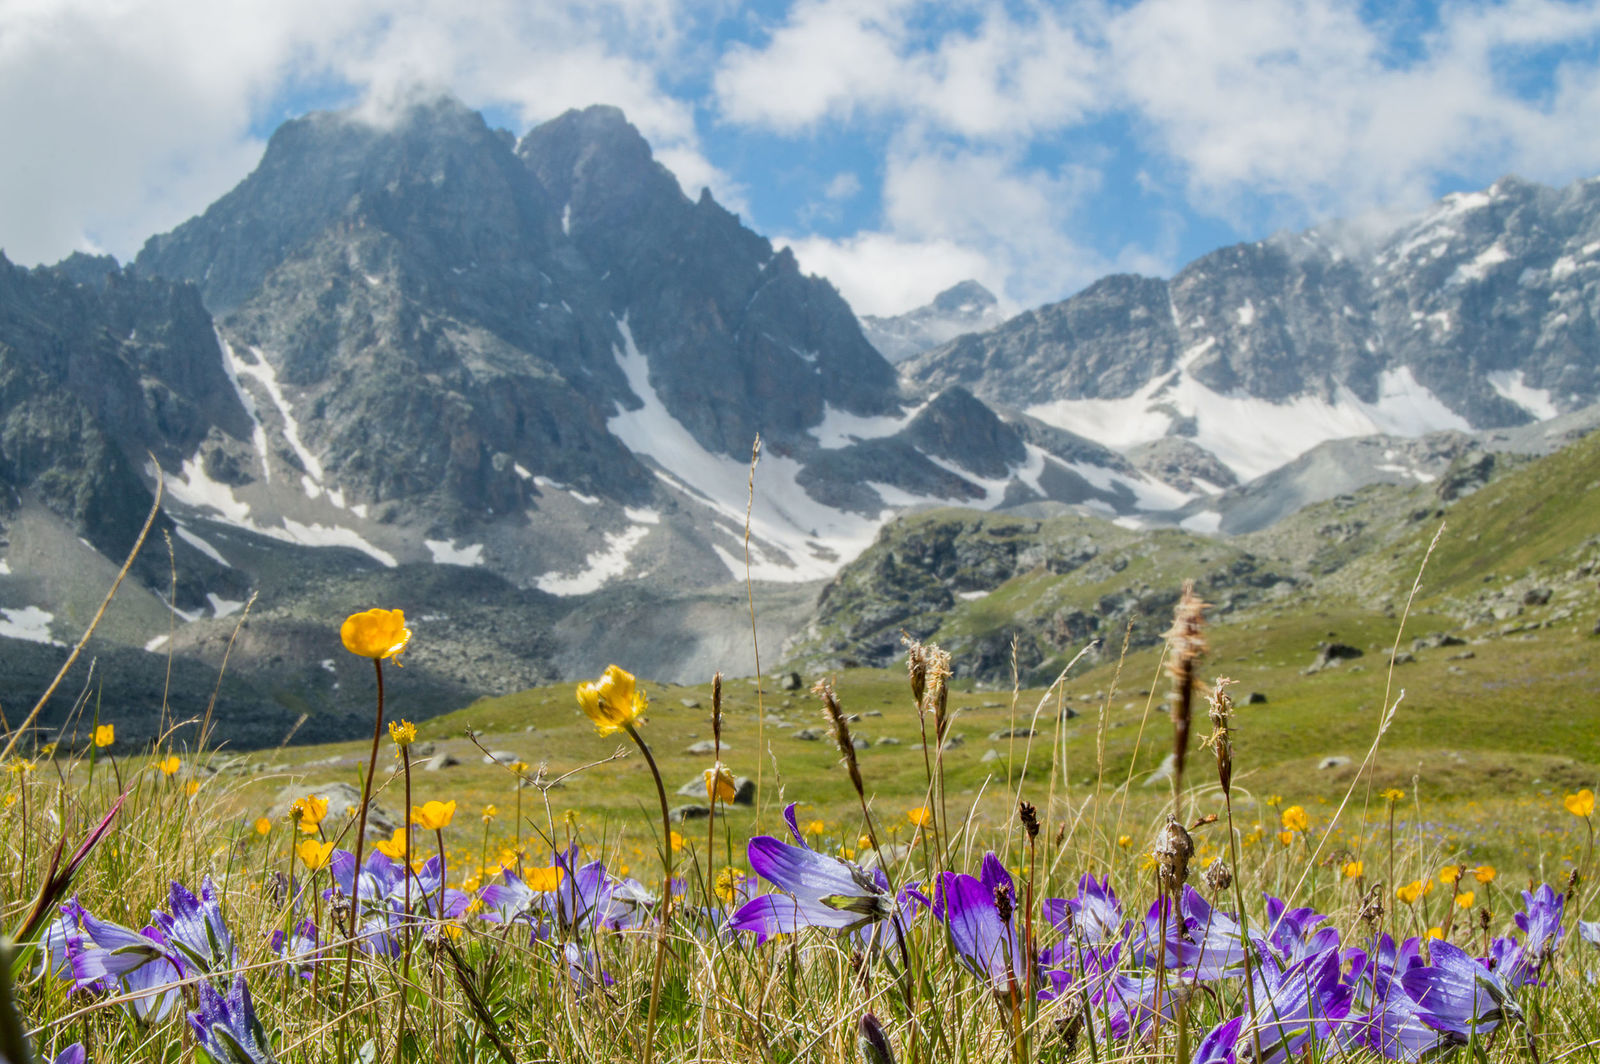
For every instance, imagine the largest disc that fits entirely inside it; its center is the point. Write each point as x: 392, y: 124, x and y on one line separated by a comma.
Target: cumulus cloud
x: 1255, y: 112
x: 124, y: 119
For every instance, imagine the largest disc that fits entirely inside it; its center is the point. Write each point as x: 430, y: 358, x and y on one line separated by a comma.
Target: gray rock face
x: 963, y: 308
x: 1480, y: 299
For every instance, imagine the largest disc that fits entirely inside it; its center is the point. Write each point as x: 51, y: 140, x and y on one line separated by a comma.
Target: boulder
x: 443, y: 759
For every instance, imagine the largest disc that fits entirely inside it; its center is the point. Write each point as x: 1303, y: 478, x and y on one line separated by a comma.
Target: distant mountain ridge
x: 967, y: 307
x: 1482, y: 312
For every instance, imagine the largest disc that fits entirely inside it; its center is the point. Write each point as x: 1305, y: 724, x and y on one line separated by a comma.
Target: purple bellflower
x: 195, y: 932
x: 1458, y: 994
x: 1095, y: 914
x: 980, y: 914
x: 227, y: 1028
x: 1304, y: 1003
x: 817, y: 891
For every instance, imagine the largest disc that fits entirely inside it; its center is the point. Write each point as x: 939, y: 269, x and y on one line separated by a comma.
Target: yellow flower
x: 1466, y: 898
x: 612, y: 701
x: 815, y: 827
x: 727, y: 886
x: 864, y: 842
x: 543, y: 880
x: 1275, y: 801
x: 677, y: 842
x: 170, y: 765
x: 489, y: 813
x: 395, y: 848
x: 1393, y: 794
x: 314, y: 854
x: 263, y: 825
x: 1295, y: 819
x: 719, y: 783
x: 1410, y: 892
x: 1286, y: 837
x: 1353, y: 869
x: 1580, y: 804
x: 312, y: 808
x: 920, y: 816
x: 1449, y: 873
x: 403, y: 733
x: 433, y: 816
x: 376, y: 634
x: 1483, y: 873
x: 191, y: 788
x: 1124, y: 841
x: 105, y: 735
x: 1435, y: 932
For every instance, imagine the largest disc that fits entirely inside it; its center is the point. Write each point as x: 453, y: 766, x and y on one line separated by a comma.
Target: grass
x: 1490, y: 739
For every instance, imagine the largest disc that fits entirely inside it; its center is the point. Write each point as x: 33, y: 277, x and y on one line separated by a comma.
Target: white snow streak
x: 29, y: 623
x: 445, y: 552
x: 1536, y: 401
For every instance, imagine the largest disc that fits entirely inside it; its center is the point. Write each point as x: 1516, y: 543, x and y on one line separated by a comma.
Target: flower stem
x: 361, y: 838
x: 666, y: 894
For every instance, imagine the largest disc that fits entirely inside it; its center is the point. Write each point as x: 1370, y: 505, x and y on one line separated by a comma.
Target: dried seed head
x: 823, y: 689
x: 1573, y: 879
x: 1172, y: 852
x: 1004, y: 904
x: 1186, y: 641
x: 1484, y: 916
x: 1030, y: 819
x: 716, y: 709
x: 1221, y: 738
x: 1061, y: 833
x: 1218, y: 878
x: 1372, y: 905
x: 916, y: 668
x: 938, y: 690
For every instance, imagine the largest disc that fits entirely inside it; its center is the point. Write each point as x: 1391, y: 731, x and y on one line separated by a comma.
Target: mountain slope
x: 1480, y: 313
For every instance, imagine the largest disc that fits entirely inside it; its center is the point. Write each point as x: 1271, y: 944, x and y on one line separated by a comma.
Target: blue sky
x: 898, y: 146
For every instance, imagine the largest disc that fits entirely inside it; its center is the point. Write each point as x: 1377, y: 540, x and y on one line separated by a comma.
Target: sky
x: 898, y: 146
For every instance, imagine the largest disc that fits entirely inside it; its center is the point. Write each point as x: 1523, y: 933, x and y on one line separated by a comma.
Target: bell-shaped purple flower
x: 1458, y: 994
x: 980, y: 914
x: 1306, y: 1003
x: 299, y: 949
x: 227, y: 1028
x: 818, y: 891
x: 194, y: 931
x: 1095, y: 914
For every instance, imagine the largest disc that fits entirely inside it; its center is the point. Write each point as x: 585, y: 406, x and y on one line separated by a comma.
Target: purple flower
x: 1540, y: 922
x: 1217, y: 1047
x: 583, y: 967
x: 818, y: 891
x: 1304, y: 1003
x: 109, y: 957
x: 1395, y: 1026
x: 1294, y: 935
x: 73, y: 1054
x: 299, y: 949
x: 1096, y: 912
x: 195, y: 931
x: 985, y: 937
x: 1459, y: 995
x: 227, y: 1028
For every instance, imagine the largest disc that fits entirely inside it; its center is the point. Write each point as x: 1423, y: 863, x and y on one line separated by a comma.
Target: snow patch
x: 566, y: 219
x: 788, y: 523
x: 971, y: 596
x: 1536, y: 401
x: 1206, y: 522
x: 360, y: 510
x: 232, y: 366
x: 445, y: 552
x: 327, y: 663
x: 1565, y: 266
x: 599, y: 567
x: 194, y: 488
x: 156, y: 644
x: 267, y: 377
x: 1247, y: 313
x: 5, y: 568
x: 221, y: 607
x: 1253, y: 436
x: 555, y: 485
x: 840, y: 428
x: 200, y: 545
x: 29, y: 623
x: 1479, y: 267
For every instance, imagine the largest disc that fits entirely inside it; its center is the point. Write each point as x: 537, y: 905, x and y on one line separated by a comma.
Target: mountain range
x: 514, y: 385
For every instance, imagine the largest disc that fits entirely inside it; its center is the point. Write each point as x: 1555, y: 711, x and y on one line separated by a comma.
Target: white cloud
x: 139, y: 114
x: 843, y: 59
x: 879, y: 273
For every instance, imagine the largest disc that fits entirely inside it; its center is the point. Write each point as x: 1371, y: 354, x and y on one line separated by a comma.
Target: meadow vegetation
x: 1379, y: 858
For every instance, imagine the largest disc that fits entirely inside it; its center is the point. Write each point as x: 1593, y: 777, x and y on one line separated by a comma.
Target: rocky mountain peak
x: 965, y: 307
